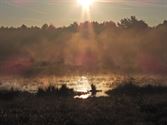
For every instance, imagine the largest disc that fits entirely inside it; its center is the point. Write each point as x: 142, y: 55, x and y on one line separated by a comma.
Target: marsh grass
x: 53, y: 106
x: 53, y: 91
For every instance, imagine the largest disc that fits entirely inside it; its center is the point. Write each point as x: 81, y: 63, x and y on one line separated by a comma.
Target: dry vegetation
x: 126, y: 104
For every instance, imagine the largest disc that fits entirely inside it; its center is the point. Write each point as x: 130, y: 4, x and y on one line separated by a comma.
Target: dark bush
x: 9, y: 94
x: 53, y: 91
x: 133, y: 89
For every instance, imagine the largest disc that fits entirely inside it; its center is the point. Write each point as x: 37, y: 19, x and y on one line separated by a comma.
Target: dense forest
x: 129, y: 46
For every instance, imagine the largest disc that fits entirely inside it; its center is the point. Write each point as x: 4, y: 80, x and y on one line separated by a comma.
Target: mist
x: 129, y: 46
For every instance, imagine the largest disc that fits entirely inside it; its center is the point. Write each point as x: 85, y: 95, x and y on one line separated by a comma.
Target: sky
x: 64, y: 12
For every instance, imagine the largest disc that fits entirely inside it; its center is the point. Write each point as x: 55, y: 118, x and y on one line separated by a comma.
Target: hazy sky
x: 64, y: 12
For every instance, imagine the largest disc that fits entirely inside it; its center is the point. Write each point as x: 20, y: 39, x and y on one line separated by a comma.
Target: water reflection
x: 80, y: 84
x: 83, y: 88
x: 83, y: 96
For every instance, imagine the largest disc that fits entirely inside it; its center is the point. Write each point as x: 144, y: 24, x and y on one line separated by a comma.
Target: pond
x: 78, y: 83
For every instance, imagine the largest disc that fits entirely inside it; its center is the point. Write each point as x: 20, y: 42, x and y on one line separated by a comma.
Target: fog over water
x: 103, y: 83
x: 129, y: 46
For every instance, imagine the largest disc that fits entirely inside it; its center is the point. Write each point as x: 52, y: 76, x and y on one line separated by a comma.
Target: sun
x: 85, y: 3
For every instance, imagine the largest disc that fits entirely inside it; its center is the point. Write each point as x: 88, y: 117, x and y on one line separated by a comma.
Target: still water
x: 103, y: 83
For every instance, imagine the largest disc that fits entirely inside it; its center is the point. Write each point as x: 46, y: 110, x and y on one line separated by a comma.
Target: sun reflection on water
x: 83, y: 88
x: 83, y: 96
x: 80, y: 84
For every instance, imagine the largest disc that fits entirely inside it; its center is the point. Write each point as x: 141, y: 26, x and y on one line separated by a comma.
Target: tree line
x: 129, y: 46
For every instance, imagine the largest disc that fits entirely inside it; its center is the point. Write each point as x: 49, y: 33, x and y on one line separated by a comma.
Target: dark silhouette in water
x: 64, y: 91
x: 49, y: 91
x: 93, y: 90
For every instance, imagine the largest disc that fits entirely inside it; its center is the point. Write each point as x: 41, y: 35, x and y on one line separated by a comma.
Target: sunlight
x: 86, y: 7
x: 83, y: 96
x: 85, y: 3
x: 83, y: 87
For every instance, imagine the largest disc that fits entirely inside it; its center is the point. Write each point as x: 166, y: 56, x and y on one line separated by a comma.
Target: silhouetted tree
x: 23, y: 27
x: 73, y: 27
x: 45, y: 27
x: 51, y: 27
x: 132, y: 23
x: 129, y: 46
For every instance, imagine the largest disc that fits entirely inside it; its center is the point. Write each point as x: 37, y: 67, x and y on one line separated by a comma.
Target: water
x: 103, y: 83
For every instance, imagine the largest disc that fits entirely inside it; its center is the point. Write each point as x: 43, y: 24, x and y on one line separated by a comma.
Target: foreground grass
x: 122, y: 107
